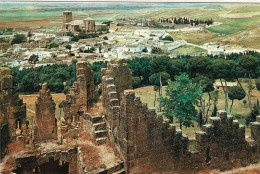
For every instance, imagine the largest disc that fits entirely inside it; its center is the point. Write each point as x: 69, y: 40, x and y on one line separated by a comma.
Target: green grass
x: 225, y: 29
x: 188, y: 49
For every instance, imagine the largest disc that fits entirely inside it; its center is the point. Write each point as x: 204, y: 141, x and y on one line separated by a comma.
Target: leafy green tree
x: 68, y: 47
x: 181, y: 98
x: 249, y: 64
x: 207, y: 86
x: 154, y: 79
x: 33, y: 58
x: 145, y: 50
x: 136, y: 82
x: 141, y: 67
x: 18, y: 38
x: 159, y: 64
x: 235, y: 93
x: 53, y: 45
x: 70, y: 34
x: 254, y: 112
x: 214, y: 96
x: 257, y: 84
x: 221, y: 69
x: 176, y: 67
x: 199, y: 65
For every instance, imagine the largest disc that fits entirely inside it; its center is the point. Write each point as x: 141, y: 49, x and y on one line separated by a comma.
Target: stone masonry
x: 12, y: 108
x: 148, y: 143
x: 46, y: 124
x: 80, y: 95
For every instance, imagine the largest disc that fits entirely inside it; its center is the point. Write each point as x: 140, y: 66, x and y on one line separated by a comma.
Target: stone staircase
x: 98, y: 128
x: 116, y: 168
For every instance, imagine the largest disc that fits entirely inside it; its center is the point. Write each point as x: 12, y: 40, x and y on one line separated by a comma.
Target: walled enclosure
x: 46, y: 123
x: 148, y: 143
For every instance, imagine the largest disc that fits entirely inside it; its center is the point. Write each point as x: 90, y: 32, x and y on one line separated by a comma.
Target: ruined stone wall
x: 12, y: 108
x: 46, y: 124
x: 117, y: 77
x: 80, y: 95
x: 148, y: 143
x: 48, y: 162
x: 255, y: 133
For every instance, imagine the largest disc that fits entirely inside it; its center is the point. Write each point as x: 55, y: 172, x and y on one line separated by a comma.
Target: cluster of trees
x: 202, y: 72
x: 89, y: 50
x: 58, y: 77
x: 82, y: 35
x: 19, y: 38
x: 185, y: 20
x: 53, y: 45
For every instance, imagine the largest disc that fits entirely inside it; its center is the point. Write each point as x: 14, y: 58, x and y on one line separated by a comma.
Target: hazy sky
x: 257, y: 1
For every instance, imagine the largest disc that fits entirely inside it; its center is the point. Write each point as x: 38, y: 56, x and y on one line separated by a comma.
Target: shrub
x: 53, y: 45
x: 19, y: 38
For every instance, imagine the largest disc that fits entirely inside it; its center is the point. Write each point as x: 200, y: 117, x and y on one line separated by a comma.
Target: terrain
x: 240, y: 22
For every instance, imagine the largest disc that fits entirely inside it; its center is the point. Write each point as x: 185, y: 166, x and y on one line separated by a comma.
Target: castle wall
x: 46, y: 124
x: 148, y: 143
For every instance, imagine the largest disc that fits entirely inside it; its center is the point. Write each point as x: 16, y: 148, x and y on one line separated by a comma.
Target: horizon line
x: 142, y: 1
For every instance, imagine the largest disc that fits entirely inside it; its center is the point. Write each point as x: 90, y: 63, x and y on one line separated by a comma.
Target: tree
x: 68, y: 47
x: 136, y: 82
x: 181, y: 98
x: 221, y: 69
x: 214, y: 96
x: 254, y: 112
x: 154, y: 79
x: 159, y: 64
x: 199, y: 65
x: 145, y: 50
x: 207, y: 86
x: 235, y: 93
x: 257, y: 84
x: 70, y: 34
x: 18, y: 38
x: 105, y: 38
x: 33, y: 58
x: 141, y: 67
x: 249, y: 64
x: 53, y: 45
x: 176, y: 67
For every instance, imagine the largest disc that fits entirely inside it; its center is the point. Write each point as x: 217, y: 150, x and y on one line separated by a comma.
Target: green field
x: 188, y: 49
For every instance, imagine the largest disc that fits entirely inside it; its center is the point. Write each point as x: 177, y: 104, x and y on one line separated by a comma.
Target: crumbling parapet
x: 117, y: 76
x: 46, y: 123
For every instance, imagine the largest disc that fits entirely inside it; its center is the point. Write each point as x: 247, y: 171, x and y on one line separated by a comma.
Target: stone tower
x: 89, y: 24
x: 46, y: 124
x: 12, y: 109
x: 67, y: 17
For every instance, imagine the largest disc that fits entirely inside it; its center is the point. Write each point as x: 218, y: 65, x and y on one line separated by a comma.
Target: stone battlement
x: 149, y: 143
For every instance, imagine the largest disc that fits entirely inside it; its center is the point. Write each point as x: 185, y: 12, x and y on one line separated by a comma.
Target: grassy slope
x: 188, y: 49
